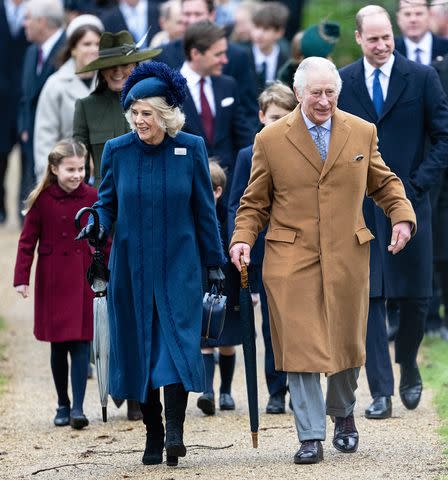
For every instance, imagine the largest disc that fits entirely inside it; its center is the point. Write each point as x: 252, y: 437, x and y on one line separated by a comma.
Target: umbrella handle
x: 96, y: 222
x: 244, y: 275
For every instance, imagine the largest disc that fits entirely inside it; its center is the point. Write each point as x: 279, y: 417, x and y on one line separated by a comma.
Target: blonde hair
x: 169, y: 119
x: 63, y: 149
x: 217, y: 174
x: 278, y: 94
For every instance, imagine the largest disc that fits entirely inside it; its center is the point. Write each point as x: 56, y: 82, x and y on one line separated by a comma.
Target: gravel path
x: 403, y: 447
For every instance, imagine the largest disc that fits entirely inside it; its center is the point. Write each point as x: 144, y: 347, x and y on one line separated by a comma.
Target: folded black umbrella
x: 250, y: 353
x: 98, y: 276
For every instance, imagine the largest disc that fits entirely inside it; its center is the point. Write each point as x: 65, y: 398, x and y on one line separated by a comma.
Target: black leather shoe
x: 276, y: 403
x: 62, y: 417
x: 310, y: 451
x: 78, y: 420
x: 410, y: 387
x: 206, y: 403
x: 226, y: 402
x: 380, y: 408
x: 346, y: 436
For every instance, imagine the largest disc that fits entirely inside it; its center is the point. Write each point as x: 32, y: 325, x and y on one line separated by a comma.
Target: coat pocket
x: 281, y: 235
x: 364, y: 235
x: 44, y: 249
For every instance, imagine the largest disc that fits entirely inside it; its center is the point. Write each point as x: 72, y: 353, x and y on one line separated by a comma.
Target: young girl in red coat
x: 63, y: 312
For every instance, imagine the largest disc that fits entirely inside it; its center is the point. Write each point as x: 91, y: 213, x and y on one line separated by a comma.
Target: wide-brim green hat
x: 319, y: 40
x: 118, y: 49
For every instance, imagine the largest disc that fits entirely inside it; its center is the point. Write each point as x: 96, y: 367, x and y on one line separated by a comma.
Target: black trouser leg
x: 176, y: 399
x: 59, y: 368
x: 3, y: 167
x: 155, y: 435
x: 413, y: 312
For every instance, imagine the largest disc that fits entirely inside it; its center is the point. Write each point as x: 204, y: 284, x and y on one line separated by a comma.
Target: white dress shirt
x: 369, y: 72
x: 425, y: 46
x: 136, y: 18
x: 47, y: 46
x: 271, y: 61
x: 193, y: 80
x: 326, y: 129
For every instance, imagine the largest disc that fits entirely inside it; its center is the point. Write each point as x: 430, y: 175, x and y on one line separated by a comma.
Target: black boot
x: 175, y: 405
x: 155, y: 435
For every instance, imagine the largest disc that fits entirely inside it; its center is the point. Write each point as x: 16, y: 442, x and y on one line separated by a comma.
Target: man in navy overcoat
x: 43, y: 27
x: 14, y: 43
x: 407, y: 103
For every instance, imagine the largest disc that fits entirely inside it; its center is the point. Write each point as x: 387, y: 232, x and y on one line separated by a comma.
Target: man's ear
x: 358, y: 37
x: 299, y: 98
x: 261, y: 116
x: 194, y: 53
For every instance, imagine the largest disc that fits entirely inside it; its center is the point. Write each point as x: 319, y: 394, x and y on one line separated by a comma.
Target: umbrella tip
x: 104, y: 409
x: 254, y: 439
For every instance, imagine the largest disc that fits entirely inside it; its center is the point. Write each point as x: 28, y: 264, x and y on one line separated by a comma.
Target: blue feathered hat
x: 154, y: 79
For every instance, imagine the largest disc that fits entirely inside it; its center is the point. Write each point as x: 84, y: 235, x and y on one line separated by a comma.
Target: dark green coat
x: 98, y: 118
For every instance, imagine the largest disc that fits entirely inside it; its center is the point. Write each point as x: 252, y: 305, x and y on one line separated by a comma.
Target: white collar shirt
x: 425, y: 46
x: 136, y: 18
x: 325, y: 127
x: 386, y: 70
x: 271, y: 61
x: 15, y: 15
x: 193, y: 82
x: 48, y: 45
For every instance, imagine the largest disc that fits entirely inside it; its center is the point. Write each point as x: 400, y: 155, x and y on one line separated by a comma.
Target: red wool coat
x: 63, y: 299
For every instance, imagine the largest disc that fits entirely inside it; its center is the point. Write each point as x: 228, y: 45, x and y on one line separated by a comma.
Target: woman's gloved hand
x: 216, y: 278
x: 88, y: 232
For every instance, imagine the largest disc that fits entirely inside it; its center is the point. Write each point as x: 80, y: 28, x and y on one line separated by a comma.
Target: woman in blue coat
x: 156, y: 187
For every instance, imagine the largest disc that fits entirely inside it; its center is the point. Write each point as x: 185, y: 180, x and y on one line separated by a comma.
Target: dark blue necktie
x: 418, y: 58
x: 378, y: 100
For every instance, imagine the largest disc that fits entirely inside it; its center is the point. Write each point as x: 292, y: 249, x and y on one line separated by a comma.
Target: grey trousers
x: 309, y: 405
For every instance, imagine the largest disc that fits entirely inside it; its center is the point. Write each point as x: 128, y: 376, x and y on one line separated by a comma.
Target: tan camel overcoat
x: 316, y: 264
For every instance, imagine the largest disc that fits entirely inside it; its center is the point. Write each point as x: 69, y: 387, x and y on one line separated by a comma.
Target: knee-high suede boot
x: 176, y: 399
x: 152, y: 418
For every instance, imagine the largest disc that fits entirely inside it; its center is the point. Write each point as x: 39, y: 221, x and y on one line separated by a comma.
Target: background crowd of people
x: 63, y: 71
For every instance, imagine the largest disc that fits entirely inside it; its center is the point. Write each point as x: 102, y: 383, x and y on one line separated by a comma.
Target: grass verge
x: 435, y: 375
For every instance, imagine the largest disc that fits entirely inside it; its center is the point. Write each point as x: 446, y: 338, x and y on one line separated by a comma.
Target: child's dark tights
x: 80, y: 354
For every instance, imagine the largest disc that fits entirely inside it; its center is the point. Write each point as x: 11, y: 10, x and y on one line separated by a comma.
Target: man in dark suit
x: 212, y: 107
x: 406, y: 102
x: 417, y: 43
x: 135, y: 16
x: 43, y: 28
x: 238, y: 59
x: 14, y: 43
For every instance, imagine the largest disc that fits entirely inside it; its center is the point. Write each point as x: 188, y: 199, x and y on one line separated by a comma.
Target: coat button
x: 78, y: 250
x: 65, y: 254
x: 64, y: 234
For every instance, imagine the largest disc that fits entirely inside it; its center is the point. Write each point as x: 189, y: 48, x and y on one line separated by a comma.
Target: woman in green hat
x: 99, y: 116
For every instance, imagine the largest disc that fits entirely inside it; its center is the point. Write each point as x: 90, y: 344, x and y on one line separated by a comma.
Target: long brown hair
x: 63, y: 149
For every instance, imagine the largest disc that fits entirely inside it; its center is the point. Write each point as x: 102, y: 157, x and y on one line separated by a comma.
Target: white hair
x: 311, y: 64
x: 169, y: 119
x: 52, y: 10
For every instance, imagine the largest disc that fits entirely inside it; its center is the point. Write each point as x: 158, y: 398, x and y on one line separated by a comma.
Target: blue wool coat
x: 162, y: 201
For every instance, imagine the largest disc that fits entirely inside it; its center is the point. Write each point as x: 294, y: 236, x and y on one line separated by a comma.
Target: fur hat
x: 154, y: 79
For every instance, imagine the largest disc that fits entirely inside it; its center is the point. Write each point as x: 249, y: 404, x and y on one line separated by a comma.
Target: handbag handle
x: 244, y: 276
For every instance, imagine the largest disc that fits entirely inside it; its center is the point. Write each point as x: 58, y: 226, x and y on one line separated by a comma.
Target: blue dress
x: 161, y: 198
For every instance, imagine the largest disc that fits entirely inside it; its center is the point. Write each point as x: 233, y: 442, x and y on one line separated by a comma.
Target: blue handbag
x: 213, y: 314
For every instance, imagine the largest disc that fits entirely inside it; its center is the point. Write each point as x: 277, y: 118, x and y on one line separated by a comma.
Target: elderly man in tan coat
x: 311, y: 171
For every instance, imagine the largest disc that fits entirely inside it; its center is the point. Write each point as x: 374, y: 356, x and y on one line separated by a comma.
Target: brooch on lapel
x: 180, y: 151
x: 226, y: 102
x: 358, y: 158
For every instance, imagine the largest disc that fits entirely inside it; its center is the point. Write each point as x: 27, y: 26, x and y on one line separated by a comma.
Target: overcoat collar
x: 397, y: 83
x: 56, y: 191
x: 298, y: 134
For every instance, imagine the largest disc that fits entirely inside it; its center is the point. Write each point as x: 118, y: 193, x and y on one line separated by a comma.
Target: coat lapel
x: 218, y: 95
x: 339, y: 135
x: 361, y: 93
x: 193, y: 117
x: 300, y: 137
x: 397, y: 83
